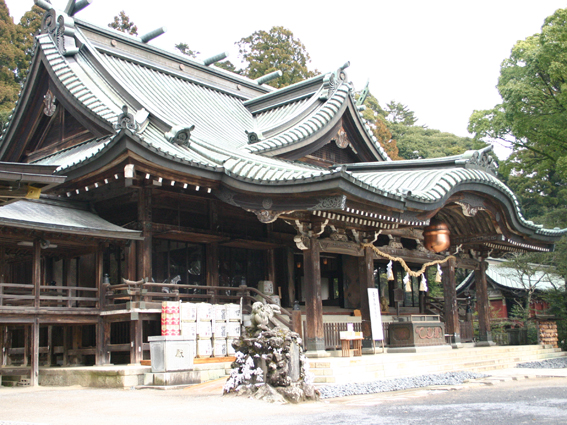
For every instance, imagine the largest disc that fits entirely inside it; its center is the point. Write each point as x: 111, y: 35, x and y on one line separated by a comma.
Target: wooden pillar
x: 272, y: 268
x: 36, y: 271
x: 102, y: 342
x: 144, y: 248
x: 77, y: 344
x: 130, y: 254
x: 297, y: 326
x: 99, y: 276
x: 65, y: 345
x: 27, y: 340
x: 366, y: 279
x: 212, y: 255
x: 49, y: 345
x: 314, y: 333
x: 5, y: 338
x: 483, y: 304
x: 69, y: 278
x: 2, y: 271
x: 35, y: 352
x: 136, y: 341
x: 289, y: 268
x: 450, y: 295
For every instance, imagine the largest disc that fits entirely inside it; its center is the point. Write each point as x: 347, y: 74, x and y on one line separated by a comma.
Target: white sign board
x: 375, y: 315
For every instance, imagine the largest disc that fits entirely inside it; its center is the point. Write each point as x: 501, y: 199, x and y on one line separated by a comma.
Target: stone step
x: 372, y: 367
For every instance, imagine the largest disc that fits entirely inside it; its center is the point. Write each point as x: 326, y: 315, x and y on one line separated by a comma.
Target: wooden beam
x: 450, y: 295
x: 483, y: 304
x: 314, y: 334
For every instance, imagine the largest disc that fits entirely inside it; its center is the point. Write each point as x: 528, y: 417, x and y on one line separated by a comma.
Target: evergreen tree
x: 184, y: 49
x: 277, y: 49
x: 10, y: 56
x: 29, y: 26
x: 122, y: 23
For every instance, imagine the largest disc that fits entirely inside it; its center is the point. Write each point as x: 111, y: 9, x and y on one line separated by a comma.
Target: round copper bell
x: 436, y: 236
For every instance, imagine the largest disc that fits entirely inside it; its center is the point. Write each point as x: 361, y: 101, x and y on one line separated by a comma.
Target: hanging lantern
x: 436, y: 236
x: 423, y: 283
x: 389, y: 272
x: 407, y: 282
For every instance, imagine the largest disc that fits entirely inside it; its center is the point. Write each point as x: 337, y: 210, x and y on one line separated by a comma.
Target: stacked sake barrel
x: 233, y: 321
x: 219, y: 330
x: 170, y: 318
x: 189, y: 325
x: 209, y: 328
x: 204, y: 330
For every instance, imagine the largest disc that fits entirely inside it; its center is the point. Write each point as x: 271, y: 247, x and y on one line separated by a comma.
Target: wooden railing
x: 129, y: 291
x: 331, y: 332
x: 21, y: 295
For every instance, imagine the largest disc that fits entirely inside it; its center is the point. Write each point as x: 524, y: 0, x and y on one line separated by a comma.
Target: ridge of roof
x: 136, y: 43
x: 472, y: 159
x: 284, y: 95
x: 306, y: 128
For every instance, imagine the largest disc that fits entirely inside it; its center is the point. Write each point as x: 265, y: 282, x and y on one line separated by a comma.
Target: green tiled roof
x: 102, y: 80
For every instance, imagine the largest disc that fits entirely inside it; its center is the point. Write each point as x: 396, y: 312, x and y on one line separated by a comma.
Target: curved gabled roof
x: 219, y: 118
x: 423, y: 182
x: 99, y: 80
x: 292, y: 124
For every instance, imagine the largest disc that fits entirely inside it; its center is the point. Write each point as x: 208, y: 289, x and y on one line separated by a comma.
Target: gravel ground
x: 449, y: 378
x: 559, y: 363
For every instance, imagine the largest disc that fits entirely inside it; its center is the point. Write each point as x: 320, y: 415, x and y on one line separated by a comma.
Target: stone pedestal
x: 171, y: 353
x: 416, y: 334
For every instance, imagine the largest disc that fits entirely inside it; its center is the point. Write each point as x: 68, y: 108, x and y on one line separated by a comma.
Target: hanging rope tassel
x: 423, y: 283
x: 407, y: 282
x: 389, y: 271
x: 439, y: 274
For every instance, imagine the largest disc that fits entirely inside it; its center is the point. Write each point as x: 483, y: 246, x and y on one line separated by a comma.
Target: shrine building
x: 131, y: 175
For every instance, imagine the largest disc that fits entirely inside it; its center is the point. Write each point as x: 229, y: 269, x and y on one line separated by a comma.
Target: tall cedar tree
x: 122, y: 23
x: 10, y: 56
x: 274, y: 50
x: 29, y: 26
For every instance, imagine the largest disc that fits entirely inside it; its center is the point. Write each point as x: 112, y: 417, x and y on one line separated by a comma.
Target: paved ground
x: 516, y: 399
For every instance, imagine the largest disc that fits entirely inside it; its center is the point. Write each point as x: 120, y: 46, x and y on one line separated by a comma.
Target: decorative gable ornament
x: 49, y: 102
x: 61, y: 29
x: 126, y: 121
x: 342, y: 140
x: 333, y: 81
x: 180, y: 135
x: 481, y: 159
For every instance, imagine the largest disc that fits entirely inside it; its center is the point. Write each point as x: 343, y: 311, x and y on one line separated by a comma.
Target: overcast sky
x: 440, y: 58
